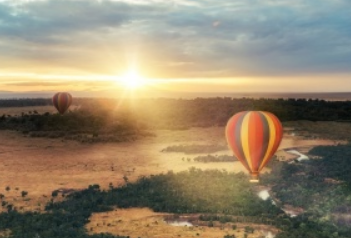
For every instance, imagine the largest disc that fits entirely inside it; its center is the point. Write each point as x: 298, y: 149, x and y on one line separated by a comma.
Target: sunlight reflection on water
x: 179, y: 223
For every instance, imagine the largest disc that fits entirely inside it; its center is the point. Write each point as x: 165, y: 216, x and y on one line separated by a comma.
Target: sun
x: 132, y: 80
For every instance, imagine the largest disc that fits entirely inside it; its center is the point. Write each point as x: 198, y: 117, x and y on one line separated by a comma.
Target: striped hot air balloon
x: 254, y: 136
x: 62, y: 101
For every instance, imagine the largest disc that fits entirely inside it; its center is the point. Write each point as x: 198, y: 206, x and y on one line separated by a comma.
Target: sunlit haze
x: 132, y: 79
x: 178, y: 46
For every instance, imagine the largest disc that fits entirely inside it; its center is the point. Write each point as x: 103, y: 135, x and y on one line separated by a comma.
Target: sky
x: 89, y: 46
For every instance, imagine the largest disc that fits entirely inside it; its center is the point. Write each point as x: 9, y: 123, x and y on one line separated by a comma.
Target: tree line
x: 82, y: 124
x: 207, y: 111
x: 120, y: 120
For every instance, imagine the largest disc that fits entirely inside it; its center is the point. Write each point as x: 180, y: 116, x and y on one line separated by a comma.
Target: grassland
x: 40, y: 166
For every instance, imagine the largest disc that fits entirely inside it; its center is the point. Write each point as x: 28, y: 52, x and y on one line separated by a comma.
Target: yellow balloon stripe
x: 272, y: 138
x: 245, y: 139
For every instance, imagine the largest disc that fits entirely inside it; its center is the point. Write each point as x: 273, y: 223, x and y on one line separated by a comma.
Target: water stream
x: 301, y: 156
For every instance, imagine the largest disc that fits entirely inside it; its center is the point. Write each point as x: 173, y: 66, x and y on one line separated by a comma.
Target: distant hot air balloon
x: 62, y: 101
x: 254, y: 136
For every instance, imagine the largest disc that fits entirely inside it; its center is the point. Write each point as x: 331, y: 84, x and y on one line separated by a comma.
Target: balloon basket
x: 254, y: 178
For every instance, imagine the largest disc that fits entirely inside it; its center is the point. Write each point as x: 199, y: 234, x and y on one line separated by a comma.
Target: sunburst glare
x: 132, y: 79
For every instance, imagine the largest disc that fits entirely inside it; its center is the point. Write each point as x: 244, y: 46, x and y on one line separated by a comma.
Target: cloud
x: 216, y: 38
x: 65, y: 83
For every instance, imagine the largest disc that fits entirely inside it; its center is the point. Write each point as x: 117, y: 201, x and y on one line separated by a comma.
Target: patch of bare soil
x: 292, y: 211
x: 143, y: 222
x: 5, y: 233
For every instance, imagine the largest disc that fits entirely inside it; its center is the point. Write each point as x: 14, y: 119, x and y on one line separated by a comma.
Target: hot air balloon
x: 62, y: 101
x: 254, y: 136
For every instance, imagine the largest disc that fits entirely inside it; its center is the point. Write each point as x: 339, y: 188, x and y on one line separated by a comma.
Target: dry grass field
x: 142, y: 222
x: 42, y: 165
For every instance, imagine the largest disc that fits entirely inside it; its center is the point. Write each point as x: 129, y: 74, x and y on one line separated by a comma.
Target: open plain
x: 40, y: 166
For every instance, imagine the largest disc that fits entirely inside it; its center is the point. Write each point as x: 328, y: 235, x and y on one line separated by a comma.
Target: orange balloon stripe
x: 279, y: 131
x: 244, y: 139
x: 255, y: 140
x: 232, y: 133
x: 276, y: 130
x: 62, y: 102
x: 266, y: 136
x: 271, y: 140
x: 237, y: 137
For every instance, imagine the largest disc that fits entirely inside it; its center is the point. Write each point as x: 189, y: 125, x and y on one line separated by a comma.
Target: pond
x: 179, y: 223
x: 263, y: 194
x: 180, y: 220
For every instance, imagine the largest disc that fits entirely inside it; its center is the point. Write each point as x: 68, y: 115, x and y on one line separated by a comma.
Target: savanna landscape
x: 162, y: 168
x: 175, y: 119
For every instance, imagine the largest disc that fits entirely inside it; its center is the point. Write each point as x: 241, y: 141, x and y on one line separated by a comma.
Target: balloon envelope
x: 62, y: 101
x: 254, y: 136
